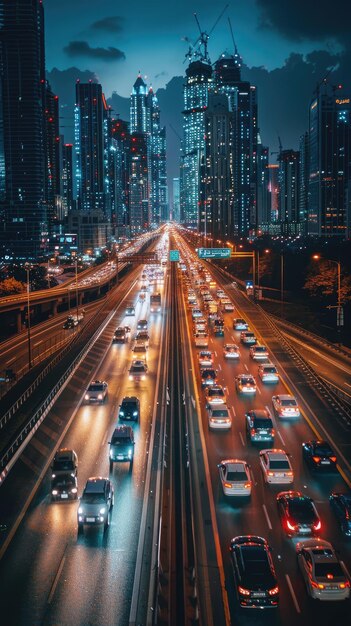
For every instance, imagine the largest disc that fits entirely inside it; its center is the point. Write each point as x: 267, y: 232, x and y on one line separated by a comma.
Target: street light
x: 339, y: 323
x: 27, y: 268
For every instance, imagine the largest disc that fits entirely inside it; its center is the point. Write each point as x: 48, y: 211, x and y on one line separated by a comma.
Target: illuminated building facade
x: 329, y: 163
x: 288, y: 180
x: 67, y: 177
x: 23, y: 208
x: 263, y: 194
x: 304, y: 181
x: 138, y: 184
x: 52, y: 170
x: 196, y: 88
x: 121, y: 168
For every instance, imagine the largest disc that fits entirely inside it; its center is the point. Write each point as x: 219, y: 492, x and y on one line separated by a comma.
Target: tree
x: 10, y: 286
x: 322, y: 281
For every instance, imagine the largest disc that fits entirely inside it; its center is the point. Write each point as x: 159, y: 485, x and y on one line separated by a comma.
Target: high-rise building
x: 217, y: 171
x: 273, y: 188
x: 23, y: 208
x: 162, y: 177
x: 140, y: 121
x: 176, y: 200
x: 157, y: 164
x: 196, y: 88
x: 67, y: 177
x: 122, y: 145
x: 288, y: 177
x: 304, y: 180
x: 243, y: 104
x: 53, y: 157
x: 264, y: 217
x: 138, y: 184
x: 329, y: 163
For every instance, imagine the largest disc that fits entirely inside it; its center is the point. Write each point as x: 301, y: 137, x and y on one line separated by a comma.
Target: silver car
x: 324, y: 574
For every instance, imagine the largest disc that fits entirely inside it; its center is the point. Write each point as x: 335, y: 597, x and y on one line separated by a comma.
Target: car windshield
x: 262, y: 422
x: 63, y: 481
x: 208, y: 374
x: 137, y: 368
x: 246, y: 380
x: 288, y: 402
x: 260, y: 349
x: 248, y: 335
x: 129, y: 406
x: 120, y: 333
x: 120, y: 441
x: 93, y: 498
x: 298, y: 506
x: 323, y: 450
x: 279, y: 464
x: 236, y: 476
x: 96, y: 387
x: 269, y: 370
x: 62, y: 464
x: 216, y: 392
x: 326, y: 570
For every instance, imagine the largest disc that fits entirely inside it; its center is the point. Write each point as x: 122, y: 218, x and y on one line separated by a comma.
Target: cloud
x: 112, y: 24
x: 161, y: 74
x: 83, y: 49
x: 313, y: 20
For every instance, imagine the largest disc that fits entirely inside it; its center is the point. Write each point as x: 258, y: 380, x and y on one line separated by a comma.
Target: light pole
x: 282, y: 277
x: 339, y: 320
x: 27, y: 268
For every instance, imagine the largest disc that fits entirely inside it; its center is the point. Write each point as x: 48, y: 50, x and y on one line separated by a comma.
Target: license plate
x: 258, y: 594
x: 325, y: 462
x: 279, y: 474
x: 120, y: 457
x: 90, y: 519
x: 64, y: 495
x: 263, y: 432
x: 304, y: 530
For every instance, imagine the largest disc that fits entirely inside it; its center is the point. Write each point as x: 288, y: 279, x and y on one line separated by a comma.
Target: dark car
x: 129, y: 409
x: 65, y: 462
x: 319, y: 455
x: 208, y: 377
x: 130, y: 310
x: 255, y: 578
x: 64, y: 487
x: 122, y: 446
x: 142, y: 325
x: 341, y: 505
x: 120, y: 335
x: 96, y: 503
x: 218, y: 327
x: 70, y: 322
x: 259, y: 426
x: 298, y: 514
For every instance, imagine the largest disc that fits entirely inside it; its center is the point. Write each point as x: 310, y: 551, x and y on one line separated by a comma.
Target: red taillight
x: 273, y: 432
x: 317, y: 585
x: 274, y: 591
x: 333, y: 458
x: 316, y: 459
x: 288, y: 473
x: 243, y: 591
x: 247, y: 485
x: 290, y: 526
x: 344, y: 585
x: 317, y: 525
x: 253, y: 432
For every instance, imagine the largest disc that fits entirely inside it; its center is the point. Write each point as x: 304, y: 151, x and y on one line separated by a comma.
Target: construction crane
x: 202, y: 40
x: 278, y: 152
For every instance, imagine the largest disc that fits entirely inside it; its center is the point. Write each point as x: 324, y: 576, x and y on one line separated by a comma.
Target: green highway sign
x: 214, y: 253
x: 174, y: 255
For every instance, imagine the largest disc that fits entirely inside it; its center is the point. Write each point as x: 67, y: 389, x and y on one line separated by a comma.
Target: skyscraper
x: 67, y: 177
x: 243, y: 104
x: 196, y: 88
x: 138, y: 184
x: 157, y: 138
x: 289, y: 178
x: 122, y: 144
x: 329, y: 197
x: 264, y: 217
x: 176, y: 200
x: 140, y: 121
x: 52, y: 170
x: 24, y: 220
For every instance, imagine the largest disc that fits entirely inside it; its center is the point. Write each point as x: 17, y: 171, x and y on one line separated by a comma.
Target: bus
x: 155, y: 302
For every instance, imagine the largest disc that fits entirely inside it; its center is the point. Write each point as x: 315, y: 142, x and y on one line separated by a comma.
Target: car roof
x: 130, y: 399
x: 259, y: 413
x: 285, y: 396
x: 123, y: 431
x: 95, y: 484
x: 235, y: 465
x: 279, y: 455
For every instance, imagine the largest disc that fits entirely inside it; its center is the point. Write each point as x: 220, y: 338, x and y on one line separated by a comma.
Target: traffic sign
x: 174, y: 255
x: 214, y: 253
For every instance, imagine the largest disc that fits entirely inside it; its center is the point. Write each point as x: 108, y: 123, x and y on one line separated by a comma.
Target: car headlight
x: 130, y: 377
x: 74, y: 490
x: 100, y: 396
x: 143, y: 377
x: 54, y: 492
x: 80, y: 510
x: 86, y: 396
x: 135, y: 413
x: 102, y: 510
x: 121, y: 412
x: 53, y: 475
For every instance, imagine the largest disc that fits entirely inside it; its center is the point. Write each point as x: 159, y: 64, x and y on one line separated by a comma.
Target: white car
x: 245, y: 383
x: 205, y: 358
x: 276, y: 467
x: 235, y: 477
x: 200, y: 326
x: 258, y: 352
x: 268, y: 373
x: 285, y: 405
x: 247, y: 337
x: 215, y: 395
x: 201, y: 340
x: 196, y: 313
x: 325, y: 576
x: 231, y: 351
x: 240, y: 324
x: 96, y: 392
x: 219, y: 417
x: 228, y: 307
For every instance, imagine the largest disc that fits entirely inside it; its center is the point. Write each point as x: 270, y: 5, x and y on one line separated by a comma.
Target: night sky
x: 287, y: 47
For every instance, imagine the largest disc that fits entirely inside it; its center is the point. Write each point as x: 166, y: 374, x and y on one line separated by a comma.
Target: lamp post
x: 339, y: 320
x: 27, y: 268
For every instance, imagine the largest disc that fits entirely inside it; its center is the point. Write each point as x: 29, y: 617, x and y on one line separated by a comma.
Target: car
x: 228, y: 307
x: 285, y: 405
x: 129, y: 409
x: 64, y: 487
x: 215, y: 395
x: 138, y: 370
x: 96, y: 503
x: 130, y: 311
x: 298, y: 514
x: 324, y: 575
x: 201, y: 340
x: 268, y: 373
x: 205, y: 358
x: 259, y: 426
x: 231, y: 351
x: 245, y: 383
x: 258, y: 352
x: 64, y: 462
x: 219, y: 417
x: 96, y: 392
x: 200, y: 326
x: 70, y: 322
x: 319, y: 455
x: 143, y: 335
x: 220, y: 293
x: 254, y: 573
x: 276, y: 466
x: 122, y: 446
x: 142, y: 325
x: 341, y: 506
x: 218, y: 327
x: 240, y: 324
x: 140, y: 347
x: 120, y: 335
x: 208, y: 377
x: 235, y: 477
x: 196, y: 313
x: 247, y: 337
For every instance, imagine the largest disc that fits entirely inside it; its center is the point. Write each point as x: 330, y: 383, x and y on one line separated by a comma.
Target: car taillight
x: 316, y: 459
x: 252, y: 431
x: 317, y: 585
x: 317, y: 525
x: 333, y: 458
x: 270, y: 473
x: 243, y: 591
x: 274, y: 591
x: 288, y: 473
x: 344, y: 585
x: 272, y: 432
x: 290, y: 526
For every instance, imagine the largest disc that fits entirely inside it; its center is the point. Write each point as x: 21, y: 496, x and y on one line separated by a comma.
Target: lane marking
x: 281, y: 438
x: 291, y: 589
x: 267, y: 516
x: 345, y: 383
x: 14, y: 359
x: 247, y: 369
x: 241, y: 438
x: 233, y: 411
x: 259, y: 390
x: 219, y: 367
x: 54, y: 584
x: 38, y: 343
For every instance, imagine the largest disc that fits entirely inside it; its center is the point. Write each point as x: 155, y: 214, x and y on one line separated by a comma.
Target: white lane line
x: 14, y: 359
x: 259, y: 390
x: 345, y: 383
x: 54, y: 584
x: 233, y: 411
x: 193, y: 402
x: 234, y: 339
x: 267, y: 516
x: 216, y: 355
x: 38, y: 343
x: 219, y: 366
x: 315, y: 364
x: 247, y: 369
x: 241, y: 438
x: 281, y: 438
x: 291, y: 589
